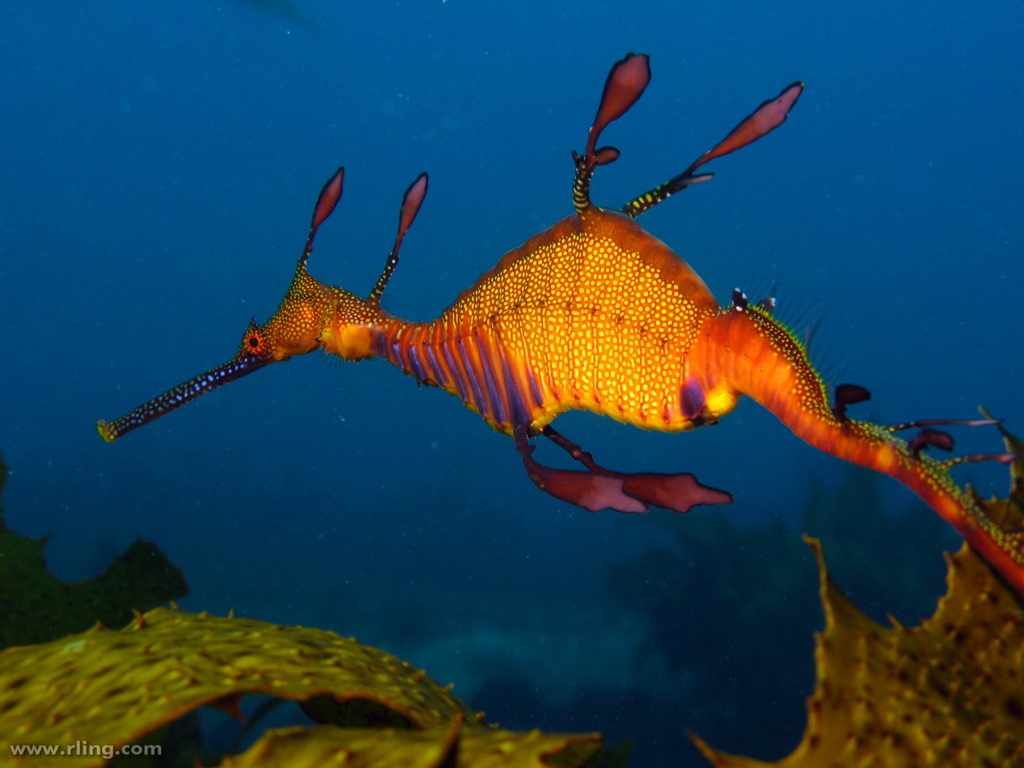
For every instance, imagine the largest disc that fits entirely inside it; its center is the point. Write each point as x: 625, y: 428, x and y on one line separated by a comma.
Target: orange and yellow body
x: 596, y: 314
x: 593, y: 313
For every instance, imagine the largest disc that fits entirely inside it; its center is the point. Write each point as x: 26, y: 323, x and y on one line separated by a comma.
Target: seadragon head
x: 297, y: 326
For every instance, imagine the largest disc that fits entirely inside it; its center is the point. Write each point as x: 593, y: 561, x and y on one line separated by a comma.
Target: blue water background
x: 159, y: 166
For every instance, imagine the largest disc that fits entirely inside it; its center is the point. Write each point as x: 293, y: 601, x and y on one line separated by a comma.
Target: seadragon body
x: 594, y: 313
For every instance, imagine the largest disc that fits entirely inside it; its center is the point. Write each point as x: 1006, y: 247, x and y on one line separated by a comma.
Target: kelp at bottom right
x: 949, y: 692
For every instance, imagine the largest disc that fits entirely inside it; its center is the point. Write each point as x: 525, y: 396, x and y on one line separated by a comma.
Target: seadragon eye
x: 254, y: 343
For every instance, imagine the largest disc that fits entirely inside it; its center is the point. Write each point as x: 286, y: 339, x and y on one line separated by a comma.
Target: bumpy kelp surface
x: 949, y: 692
x: 115, y: 687
x: 36, y: 607
x: 317, y: 747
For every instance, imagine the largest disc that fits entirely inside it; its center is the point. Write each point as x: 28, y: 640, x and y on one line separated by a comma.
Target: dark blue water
x: 159, y: 166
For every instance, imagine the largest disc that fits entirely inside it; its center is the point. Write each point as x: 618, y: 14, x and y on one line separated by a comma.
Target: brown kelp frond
x: 116, y: 687
x: 947, y: 692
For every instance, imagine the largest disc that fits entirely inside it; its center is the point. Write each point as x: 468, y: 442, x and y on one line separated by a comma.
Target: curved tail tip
x: 106, y: 431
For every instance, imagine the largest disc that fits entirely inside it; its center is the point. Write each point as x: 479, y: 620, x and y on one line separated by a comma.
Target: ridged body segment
x: 593, y: 313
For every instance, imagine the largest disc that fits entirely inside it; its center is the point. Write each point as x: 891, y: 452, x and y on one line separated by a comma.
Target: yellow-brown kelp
x: 949, y: 692
x: 106, y: 687
x: 315, y: 747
